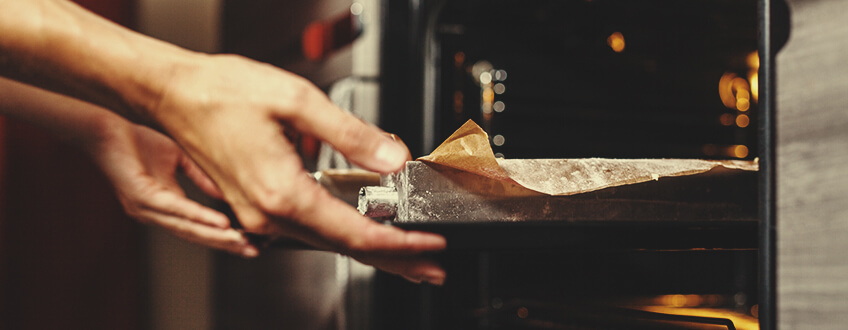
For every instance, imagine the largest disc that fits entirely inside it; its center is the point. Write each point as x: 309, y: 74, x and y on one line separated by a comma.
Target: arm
x: 139, y: 162
x: 228, y: 113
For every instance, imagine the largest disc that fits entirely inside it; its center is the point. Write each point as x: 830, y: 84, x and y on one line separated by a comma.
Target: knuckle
x: 275, y: 200
x: 255, y: 224
x: 298, y: 94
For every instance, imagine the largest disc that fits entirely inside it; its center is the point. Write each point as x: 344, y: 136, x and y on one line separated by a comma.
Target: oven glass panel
x: 601, y: 78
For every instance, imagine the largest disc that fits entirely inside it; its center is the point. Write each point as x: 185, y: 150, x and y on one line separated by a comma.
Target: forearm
x: 59, y: 46
x: 74, y: 121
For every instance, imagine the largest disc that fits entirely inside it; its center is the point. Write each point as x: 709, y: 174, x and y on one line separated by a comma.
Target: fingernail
x: 390, y: 156
x: 249, y: 252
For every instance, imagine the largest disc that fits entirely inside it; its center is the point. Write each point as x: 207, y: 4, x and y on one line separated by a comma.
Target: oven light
x: 742, y: 100
x: 754, y: 64
x: 752, y: 77
x: 739, y: 151
x: 734, y: 91
x: 753, y: 61
x: 488, y: 95
x: 726, y: 119
x: 742, y: 121
x: 616, y: 42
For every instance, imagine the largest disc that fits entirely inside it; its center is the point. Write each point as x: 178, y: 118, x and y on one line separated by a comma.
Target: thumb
x: 363, y: 144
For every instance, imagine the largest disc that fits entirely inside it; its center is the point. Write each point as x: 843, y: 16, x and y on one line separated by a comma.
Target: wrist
x: 144, y: 90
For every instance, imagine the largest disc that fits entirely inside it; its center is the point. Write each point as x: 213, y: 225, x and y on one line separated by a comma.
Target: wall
x: 812, y: 168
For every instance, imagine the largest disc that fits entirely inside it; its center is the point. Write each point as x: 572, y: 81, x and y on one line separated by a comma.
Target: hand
x: 141, y: 165
x: 231, y: 115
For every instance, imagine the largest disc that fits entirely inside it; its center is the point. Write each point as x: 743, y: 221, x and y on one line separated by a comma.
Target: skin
x: 140, y: 163
x: 227, y: 113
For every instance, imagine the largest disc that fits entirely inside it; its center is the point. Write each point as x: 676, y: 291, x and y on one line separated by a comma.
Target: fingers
x: 363, y: 144
x: 173, y: 204
x: 415, y: 270
x: 228, y: 240
x: 397, y: 139
x: 337, y: 226
x: 328, y: 223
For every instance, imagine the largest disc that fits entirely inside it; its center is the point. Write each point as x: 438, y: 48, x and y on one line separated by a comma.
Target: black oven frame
x: 401, y: 100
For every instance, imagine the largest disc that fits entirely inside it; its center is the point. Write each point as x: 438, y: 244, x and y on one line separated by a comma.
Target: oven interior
x: 574, y: 79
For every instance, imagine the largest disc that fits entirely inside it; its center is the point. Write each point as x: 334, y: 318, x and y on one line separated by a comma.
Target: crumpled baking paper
x: 468, y: 150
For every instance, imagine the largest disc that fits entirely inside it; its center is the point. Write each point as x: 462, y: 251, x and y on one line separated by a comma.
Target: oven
x: 579, y: 79
x: 552, y: 79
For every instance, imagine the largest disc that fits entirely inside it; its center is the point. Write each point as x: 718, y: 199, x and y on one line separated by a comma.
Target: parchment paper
x: 468, y: 150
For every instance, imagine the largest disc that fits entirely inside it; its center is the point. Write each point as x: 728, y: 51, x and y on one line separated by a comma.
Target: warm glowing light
x: 488, y: 95
x: 712, y: 300
x: 753, y: 61
x: 740, y: 321
x: 734, y: 91
x: 482, y: 70
x: 755, y: 85
x: 740, y: 151
x: 693, y: 300
x: 710, y: 149
x: 725, y: 89
x: 616, y: 42
x: 742, y: 121
x: 677, y: 300
x: 458, y: 59
x: 727, y: 119
x: 742, y: 104
x: 739, y: 87
x: 458, y: 101
x: 522, y: 312
x: 742, y: 95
